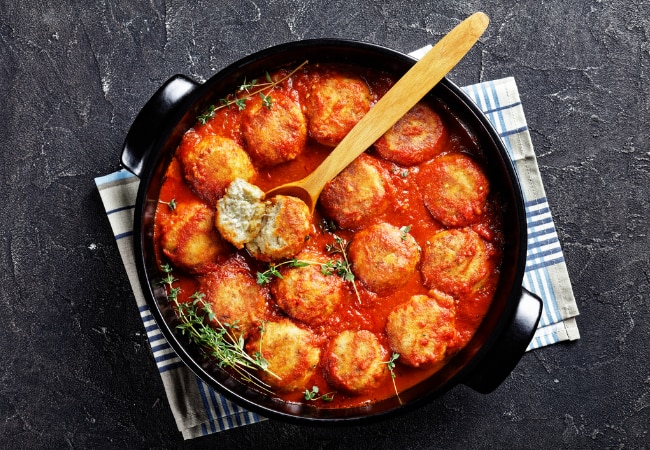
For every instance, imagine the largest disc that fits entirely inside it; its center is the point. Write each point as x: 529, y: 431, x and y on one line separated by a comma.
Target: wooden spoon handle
x: 408, y: 90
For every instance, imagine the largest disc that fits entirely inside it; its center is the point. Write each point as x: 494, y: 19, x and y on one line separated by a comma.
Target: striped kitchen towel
x: 199, y: 410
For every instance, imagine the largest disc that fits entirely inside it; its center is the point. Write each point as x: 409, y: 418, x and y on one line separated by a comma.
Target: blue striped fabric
x: 545, y: 265
x: 199, y: 410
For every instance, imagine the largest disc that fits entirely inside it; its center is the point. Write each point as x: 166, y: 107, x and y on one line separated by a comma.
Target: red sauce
x: 369, y: 311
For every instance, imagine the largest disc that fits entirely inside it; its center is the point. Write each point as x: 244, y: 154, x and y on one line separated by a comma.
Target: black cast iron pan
x: 511, y: 320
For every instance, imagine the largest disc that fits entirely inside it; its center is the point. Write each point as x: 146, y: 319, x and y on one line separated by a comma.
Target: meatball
x: 292, y: 352
x: 355, y: 361
x: 457, y: 262
x: 286, y: 224
x: 358, y: 193
x: 422, y: 330
x: 188, y: 238
x: 336, y: 101
x: 384, y: 257
x: 306, y: 294
x: 455, y: 190
x: 239, y: 213
x: 210, y: 163
x: 417, y: 137
x: 276, y: 133
x: 235, y: 298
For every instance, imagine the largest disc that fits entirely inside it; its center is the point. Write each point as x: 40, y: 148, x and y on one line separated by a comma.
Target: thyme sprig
x: 341, y: 268
x: 273, y: 270
x: 245, y: 91
x: 222, y: 342
x: 171, y: 204
x: 338, y: 267
x: 390, y: 364
x: 313, y: 395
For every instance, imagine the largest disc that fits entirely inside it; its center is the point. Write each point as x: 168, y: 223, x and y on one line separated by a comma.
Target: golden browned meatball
x: 355, y: 361
x: 336, y: 101
x: 457, y: 262
x: 234, y: 296
x: 188, y: 237
x: 455, y: 189
x: 422, y: 329
x: 276, y: 133
x: 384, y: 257
x: 358, y: 193
x: 292, y: 353
x: 285, y: 228
x: 211, y: 163
x: 417, y: 137
x: 305, y: 293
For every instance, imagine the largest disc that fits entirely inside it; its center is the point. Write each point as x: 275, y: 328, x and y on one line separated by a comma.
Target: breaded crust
x: 354, y: 361
x: 305, y: 293
x: 274, y: 134
x: 336, y: 101
x: 418, y: 136
x: 211, y: 163
x: 188, y: 238
x: 422, y: 329
x: 357, y: 194
x: 235, y: 298
x: 384, y: 257
x: 455, y: 189
x: 285, y: 227
x: 292, y: 353
x: 456, y: 262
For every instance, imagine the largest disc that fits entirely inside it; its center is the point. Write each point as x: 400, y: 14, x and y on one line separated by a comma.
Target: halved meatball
x: 336, y: 101
x: 188, y: 237
x: 275, y: 133
x: 305, y: 293
x: 292, y: 353
x: 286, y: 224
x: 384, y: 257
x: 211, y: 163
x: 239, y: 213
x: 422, y: 329
x: 358, y: 193
x: 417, y: 137
x: 455, y: 189
x: 457, y: 262
x: 234, y: 296
x: 355, y: 361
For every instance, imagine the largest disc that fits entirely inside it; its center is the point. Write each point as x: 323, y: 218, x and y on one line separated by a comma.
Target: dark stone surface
x: 76, y: 369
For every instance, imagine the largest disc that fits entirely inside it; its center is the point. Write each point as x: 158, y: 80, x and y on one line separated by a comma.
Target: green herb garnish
x: 171, y: 204
x: 405, y: 230
x: 245, y: 91
x: 222, y: 342
x: 312, y: 395
x: 341, y: 268
x: 390, y: 364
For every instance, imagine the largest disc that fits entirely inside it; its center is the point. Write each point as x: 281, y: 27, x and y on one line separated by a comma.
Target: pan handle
x: 502, y: 358
x: 152, y: 120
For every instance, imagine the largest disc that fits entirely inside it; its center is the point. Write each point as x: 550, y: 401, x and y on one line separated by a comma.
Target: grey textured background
x: 76, y: 370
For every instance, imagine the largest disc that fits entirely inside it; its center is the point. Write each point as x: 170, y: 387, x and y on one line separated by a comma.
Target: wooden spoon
x: 408, y: 90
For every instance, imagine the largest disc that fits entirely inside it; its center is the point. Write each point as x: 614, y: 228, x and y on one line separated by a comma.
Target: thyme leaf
x: 313, y: 395
x: 171, y: 204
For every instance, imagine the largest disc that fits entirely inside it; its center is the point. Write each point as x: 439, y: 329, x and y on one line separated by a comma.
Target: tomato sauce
x: 367, y: 311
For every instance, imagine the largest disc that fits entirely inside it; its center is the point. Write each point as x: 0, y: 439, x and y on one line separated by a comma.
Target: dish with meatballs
x: 381, y: 286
